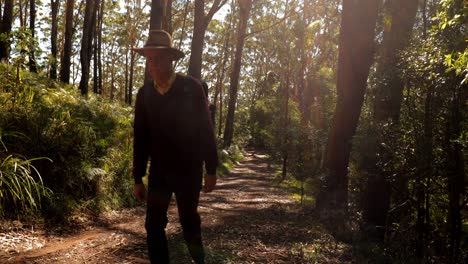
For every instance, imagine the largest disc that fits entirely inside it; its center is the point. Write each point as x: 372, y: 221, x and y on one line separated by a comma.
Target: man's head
x: 159, y: 53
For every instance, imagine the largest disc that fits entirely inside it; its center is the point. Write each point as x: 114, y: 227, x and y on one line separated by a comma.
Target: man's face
x: 158, y: 63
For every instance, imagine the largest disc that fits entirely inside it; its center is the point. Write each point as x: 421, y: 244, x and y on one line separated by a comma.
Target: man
x: 173, y: 129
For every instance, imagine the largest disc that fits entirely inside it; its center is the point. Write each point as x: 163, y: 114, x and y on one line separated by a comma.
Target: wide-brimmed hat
x: 161, y: 41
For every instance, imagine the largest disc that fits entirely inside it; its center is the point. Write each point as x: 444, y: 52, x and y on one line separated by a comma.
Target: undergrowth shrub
x: 21, y: 186
x: 88, y: 141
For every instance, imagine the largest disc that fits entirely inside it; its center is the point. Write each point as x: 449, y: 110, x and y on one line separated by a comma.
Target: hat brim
x: 174, y: 53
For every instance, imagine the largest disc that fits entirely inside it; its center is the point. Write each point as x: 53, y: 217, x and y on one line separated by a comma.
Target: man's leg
x: 187, y: 203
x: 156, y: 221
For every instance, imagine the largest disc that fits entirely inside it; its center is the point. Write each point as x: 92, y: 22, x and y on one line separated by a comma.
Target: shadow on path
x: 245, y: 220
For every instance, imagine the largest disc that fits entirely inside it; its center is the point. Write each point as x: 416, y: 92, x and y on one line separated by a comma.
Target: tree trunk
x: 5, y: 28
x: 99, y: 51
x: 156, y: 18
x: 32, y: 25
x: 86, y: 43
x: 356, y: 50
x: 456, y: 172
x: 389, y: 93
x: 53, y: 38
x: 97, y: 47
x: 424, y: 172
x: 198, y: 37
x: 396, y: 35
x: 157, y: 14
x: 245, y: 6
x: 200, y: 24
x: 65, y: 66
x: 303, y: 63
x: 285, y: 133
x: 167, y: 20
x: 220, y: 88
x: 130, y: 82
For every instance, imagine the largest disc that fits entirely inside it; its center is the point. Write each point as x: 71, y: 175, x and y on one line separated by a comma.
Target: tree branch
x: 214, y: 8
x: 271, y: 26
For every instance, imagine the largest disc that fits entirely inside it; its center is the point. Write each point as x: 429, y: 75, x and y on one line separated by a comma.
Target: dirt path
x: 246, y: 220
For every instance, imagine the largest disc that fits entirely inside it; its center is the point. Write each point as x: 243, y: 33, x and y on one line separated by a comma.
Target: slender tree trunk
x: 32, y: 25
x: 303, y: 63
x: 245, y: 6
x: 86, y: 43
x: 22, y: 12
x: 95, y: 52
x: 227, y: 37
x: 199, y: 29
x: 200, y: 24
x: 402, y: 14
x: 157, y: 14
x: 356, y: 50
x: 389, y: 94
x: 167, y: 20
x: 5, y: 28
x: 156, y: 18
x: 456, y: 172
x: 130, y: 82
x: 53, y: 38
x: 97, y: 47
x: 65, y: 66
x: 285, y: 133
x: 424, y: 172
x: 99, y: 51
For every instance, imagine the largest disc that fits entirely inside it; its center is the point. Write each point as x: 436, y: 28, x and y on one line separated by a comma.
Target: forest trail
x: 245, y: 220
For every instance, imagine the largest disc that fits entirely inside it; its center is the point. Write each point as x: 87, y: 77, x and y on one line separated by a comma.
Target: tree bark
x: 424, y: 172
x: 86, y: 43
x: 356, y: 50
x: 5, y: 28
x: 65, y: 66
x: 389, y: 93
x: 32, y: 25
x: 401, y: 14
x: 99, y: 47
x: 456, y: 171
x: 200, y: 24
x: 53, y: 38
x: 220, y: 83
x: 167, y: 19
x: 245, y: 7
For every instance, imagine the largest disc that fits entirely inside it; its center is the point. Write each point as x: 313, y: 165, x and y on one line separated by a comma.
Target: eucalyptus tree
x: 65, y: 65
x: 86, y: 52
x: 200, y: 24
x: 97, y: 48
x: 32, y: 29
x: 244, y: 11
x: 5, y: 28
x: 399, y: 17
x: 216, y: 62
x: 54, y: 6
x: 356, y: 51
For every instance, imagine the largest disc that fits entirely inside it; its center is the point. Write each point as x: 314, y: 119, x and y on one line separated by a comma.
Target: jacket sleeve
x: 208, y: 148
x: 140, y: 138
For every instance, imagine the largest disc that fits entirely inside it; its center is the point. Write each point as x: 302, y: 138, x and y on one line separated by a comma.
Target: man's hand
x: 210, y: 183
x: 139, y: 191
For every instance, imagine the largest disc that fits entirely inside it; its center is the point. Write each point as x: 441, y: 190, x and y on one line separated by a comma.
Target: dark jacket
x: 175, y: 132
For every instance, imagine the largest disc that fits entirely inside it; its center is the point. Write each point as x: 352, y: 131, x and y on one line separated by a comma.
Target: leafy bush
x: 21, y: 186
x: 88, y: 140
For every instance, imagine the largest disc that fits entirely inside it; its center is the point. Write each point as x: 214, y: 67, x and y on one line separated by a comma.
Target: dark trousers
x: 156, y: 221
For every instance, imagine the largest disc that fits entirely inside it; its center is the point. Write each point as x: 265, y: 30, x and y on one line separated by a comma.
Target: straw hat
x: 160, y: 40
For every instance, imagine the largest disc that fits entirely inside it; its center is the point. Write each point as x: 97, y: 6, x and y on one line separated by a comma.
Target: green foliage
x: 88, y: 140
x: 21, y: 186
x: 228, y: 159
